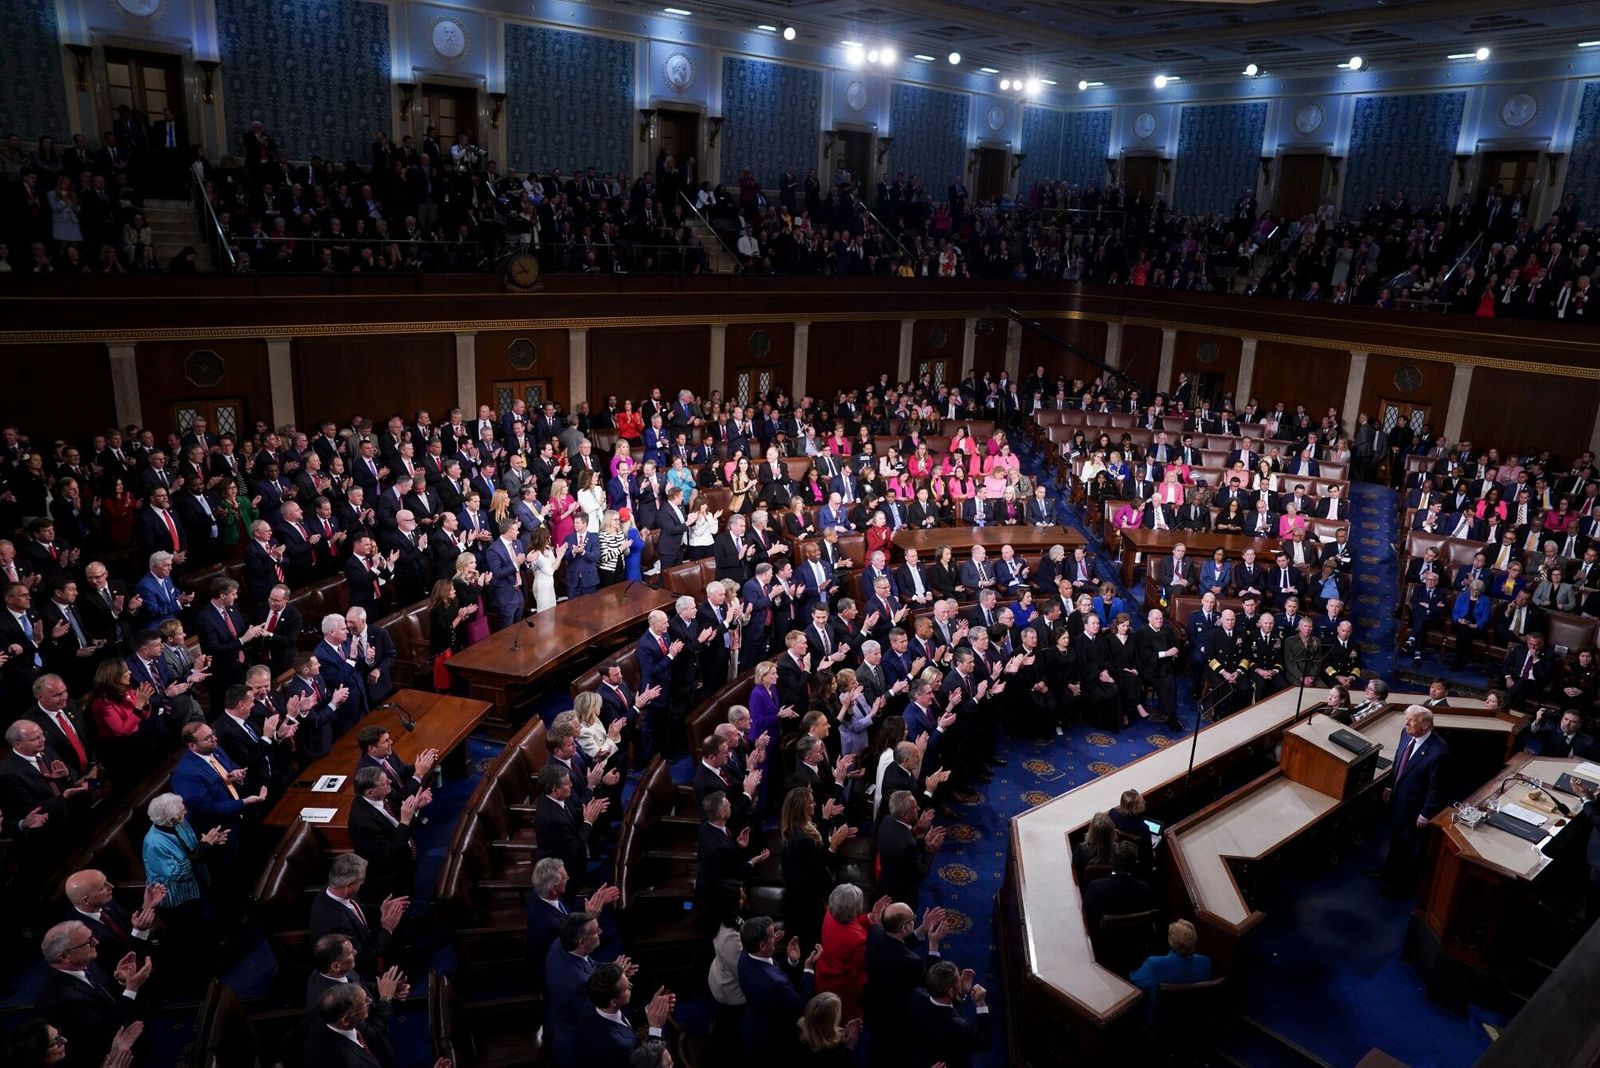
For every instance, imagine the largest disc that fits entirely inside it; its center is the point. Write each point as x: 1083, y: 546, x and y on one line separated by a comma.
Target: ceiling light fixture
x: 919, y: 57
x: 887, y: 55
x: 1086, y: 84
x: 872, y: 55
x: 1353, y: 63
x: 987, y: 70
x: 1005, y: 85
x: 1161, y: 80
x: 680, y: 12
x: 1047, y: 81
x: 788, y: 33
x: 1251, y: 70
x: 854, y: 55
x: 1589, y: 44
x: 1034, y: 87
x: 769, y: 29
x: 955, y: 57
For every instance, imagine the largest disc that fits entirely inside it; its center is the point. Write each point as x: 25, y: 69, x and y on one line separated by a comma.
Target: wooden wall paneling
x: 1299, y: 374
x: 1141, y: 354
x: 492, y: 363
x: 739, y: 353
x: 848, y: 355
x: 168, y: 372
x: 1517, y: 412
x: 376, y: 377
x: 989, y: 349
x: 941, y: 339
x: 1436, y: 383
x: 1090, y: 336
x: 629, y: 362
x: 34, y: 373
x: 1185, y: 357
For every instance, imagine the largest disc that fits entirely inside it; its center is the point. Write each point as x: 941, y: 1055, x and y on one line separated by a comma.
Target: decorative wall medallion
x: 1518, y: 109
x: 1145, y: 124
x: 996, y: 117
x: 855, y: 96
x: 760, y: 344
x: 677, y: 70
x: 203, y: 368
x: 449, y: 38
x: 1407, y: 379
x: 938, y: 337
x: 1308, y: 119
x: 139, y: 9
x: 1207, y: 352
x: 522, y: 354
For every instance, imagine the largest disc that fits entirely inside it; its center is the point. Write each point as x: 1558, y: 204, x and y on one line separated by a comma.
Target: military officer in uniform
x: 1228, y: 667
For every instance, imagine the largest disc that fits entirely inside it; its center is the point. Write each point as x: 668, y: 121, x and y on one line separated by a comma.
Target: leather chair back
x: 409, y: 627
x: 627, y: 658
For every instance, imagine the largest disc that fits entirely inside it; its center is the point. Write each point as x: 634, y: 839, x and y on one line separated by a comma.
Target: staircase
x: 177, y: 228
x: 717, y: 259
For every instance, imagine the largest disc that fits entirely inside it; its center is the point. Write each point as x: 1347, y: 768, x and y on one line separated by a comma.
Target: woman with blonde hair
x: 598, y: 742
x: 500, y: 507
x: 469, y: 584
x: 823, y: 1042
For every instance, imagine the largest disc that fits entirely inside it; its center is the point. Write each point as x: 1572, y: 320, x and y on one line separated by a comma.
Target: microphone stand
x: 1321, y: 655
x: 1194, y: 740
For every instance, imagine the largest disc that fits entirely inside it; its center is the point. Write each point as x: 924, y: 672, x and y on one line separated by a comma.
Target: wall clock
x: 1145, y: 124
x: 855, y: 95
x: 448, y: 38
x: 1518, y: 109
x: 138, y: 9
x: 677, y: 70
x: 1308, y: 119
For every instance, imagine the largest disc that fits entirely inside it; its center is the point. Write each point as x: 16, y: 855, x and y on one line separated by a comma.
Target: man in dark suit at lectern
x: 1415, y: 794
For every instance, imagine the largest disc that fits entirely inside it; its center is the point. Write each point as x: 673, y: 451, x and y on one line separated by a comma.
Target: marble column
x: 1169, y: 351
x: 577, y: 367
x: 1456, y: 414
x: 467, y: 375
x: 125, y: 386
x: 280, y: 371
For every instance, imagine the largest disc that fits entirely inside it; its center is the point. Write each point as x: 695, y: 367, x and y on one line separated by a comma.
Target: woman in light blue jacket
x: 174, y: 856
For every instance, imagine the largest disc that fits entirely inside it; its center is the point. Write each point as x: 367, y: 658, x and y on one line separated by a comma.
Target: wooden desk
x: 1199, y: 545
x: 442, y: 722
x: 961, y: 539
x: 514, y: 658
x: 1477, y: 897
x: 1054, y: 984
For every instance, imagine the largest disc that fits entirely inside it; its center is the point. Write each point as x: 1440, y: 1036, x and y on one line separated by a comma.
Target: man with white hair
x: 371, y: 651
x: 337, y: 669
x: 1416, y: 794
x: 159, y: 598
x: 407, y: 546
x: 656, y: 651
x: 85, y: 1005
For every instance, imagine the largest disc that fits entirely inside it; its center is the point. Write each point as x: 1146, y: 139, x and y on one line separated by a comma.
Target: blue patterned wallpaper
x: 1219, y: 148
x: 930, y: 136
x: 33, y: 99
x: 569, y: 100
x: 773, y: 119
x: 1041, y: 142
x: 1085, y: 140
x: 1583, y: 172
x: 316, y: 72
x: 1402, y: 143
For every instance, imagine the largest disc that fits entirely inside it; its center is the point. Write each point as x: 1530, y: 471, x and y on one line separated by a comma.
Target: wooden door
x: 145, y: 83
x: 751, y: 384
x: 1392, y: 413
x: 678, y: 134
x: 1513, y: 172
x: 1142, y: 175
x: 853, y: 152
x: 991, y: 183
x: 937, y: 368
x: 222, y: 416
x: 535, y: 391
x: 452, y: 110
x: 1299, y: 185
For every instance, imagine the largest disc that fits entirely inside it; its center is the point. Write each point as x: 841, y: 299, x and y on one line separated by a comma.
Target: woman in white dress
x: 543, y: 561
x: 598, y: 743
x: 591, y: 498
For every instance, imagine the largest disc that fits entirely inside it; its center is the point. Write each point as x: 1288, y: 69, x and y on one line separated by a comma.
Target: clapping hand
x: 603, y: 895
x: 660, y: 1008
x: 215, y: 836
x: 831, y: 809
x: 392, y: 911
x: 934, y: 840
x: 840, y: 835
x: 937, y: 779
x: 594, y: 808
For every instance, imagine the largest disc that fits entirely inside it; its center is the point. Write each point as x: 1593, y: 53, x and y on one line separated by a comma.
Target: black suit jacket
x: 560, y: 831
x: 944, y: 1032
x: 902, y: 860
x: 369, y: 938
x: 115, y: 942
x: 56, y: 740
x: 386, y: 847
x: 266, y: 763
x: 87, y: 1015
x: 1113, y: 896
x: 894, y: 970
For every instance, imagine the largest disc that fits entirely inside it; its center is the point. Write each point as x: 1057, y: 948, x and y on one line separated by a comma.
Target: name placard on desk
x: 328, y: 784
x: 318, y: 815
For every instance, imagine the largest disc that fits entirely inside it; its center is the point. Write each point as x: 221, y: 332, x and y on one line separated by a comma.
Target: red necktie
x: 227, y: 618
x: 73, y: 740
x: 662, y: 642
x: 272, y: 622
x: 112, y: 925
x: 172, y: 529
x: 1405, y: 758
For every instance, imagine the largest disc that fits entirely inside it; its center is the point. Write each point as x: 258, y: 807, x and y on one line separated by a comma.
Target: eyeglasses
x: 93, y: 941
x: 58, y: 1042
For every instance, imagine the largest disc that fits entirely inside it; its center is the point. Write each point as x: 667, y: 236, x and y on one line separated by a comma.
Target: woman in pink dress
x: 562, y: 507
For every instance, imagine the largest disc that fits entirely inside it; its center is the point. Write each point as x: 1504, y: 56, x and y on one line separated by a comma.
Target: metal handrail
x: 879, y: 223
x: 210, y: 225
x: 733, y: 257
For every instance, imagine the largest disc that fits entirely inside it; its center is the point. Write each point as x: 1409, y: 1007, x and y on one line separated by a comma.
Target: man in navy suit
x: 223, y: 635
x: 337, y: 671
x: 504, y: 559
x: 583, y: 558
x: 772, y: 1002
x: 1415, y: 794
x: 655, y: 652
x: 83, y: 1004
x: 567, y: 968
x: 936, y: 1028
x: 605, y: 1039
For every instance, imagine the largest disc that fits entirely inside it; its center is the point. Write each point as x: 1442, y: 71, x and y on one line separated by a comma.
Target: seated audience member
x: 1119, y: 893
x: 1180, y: 965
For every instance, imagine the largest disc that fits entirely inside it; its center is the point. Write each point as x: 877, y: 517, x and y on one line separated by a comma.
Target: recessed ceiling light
x: 1161, y: 81
x: 1086, y: 84
x: 851, y: 44
x: 1353, y: 63
x: 1481, y: 54
x: 988, y: 70
x: 887, y: 56
x: 872, y: 55
x: 854, y: 55
x: 955, y: 57
x: 922, y: 58
x: 788, y: 33
x: 1589, y: 44
x: 1005, y: 85
x: 1034, y: 86
x: 1047, y: 81
x: 769, y: 29
x: 677, y: 11
x: 1251, y: 70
